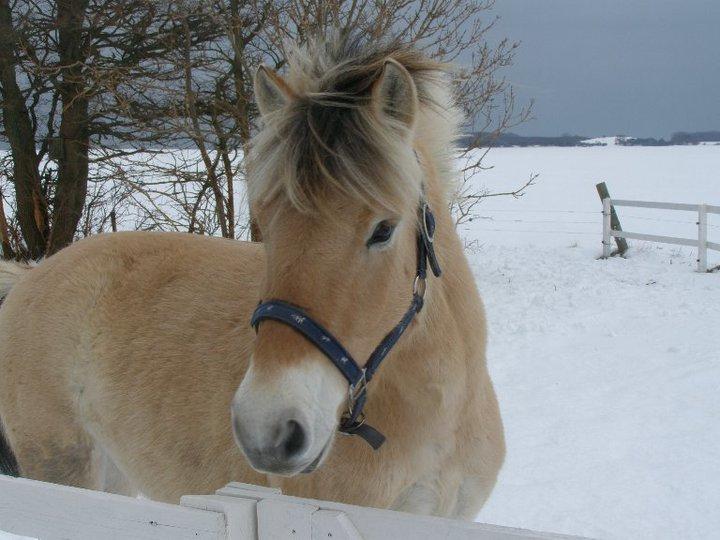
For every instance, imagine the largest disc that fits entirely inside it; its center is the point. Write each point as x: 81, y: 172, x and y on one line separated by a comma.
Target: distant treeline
x: 512, y: 139
x: 679, y: 138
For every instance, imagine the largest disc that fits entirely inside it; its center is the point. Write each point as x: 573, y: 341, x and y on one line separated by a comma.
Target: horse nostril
x: 294, y: 439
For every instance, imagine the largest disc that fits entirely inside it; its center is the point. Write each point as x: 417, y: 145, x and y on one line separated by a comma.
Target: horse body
x: 124, y: 357
x: 128, y: 349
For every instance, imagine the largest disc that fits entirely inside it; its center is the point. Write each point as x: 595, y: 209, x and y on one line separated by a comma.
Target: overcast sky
x: 609, y: 67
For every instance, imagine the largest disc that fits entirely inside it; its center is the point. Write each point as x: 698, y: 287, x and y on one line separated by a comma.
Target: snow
x: 564, y: 208
x: 603, y: 141
x: 607, y: 141
x: 607, y: 372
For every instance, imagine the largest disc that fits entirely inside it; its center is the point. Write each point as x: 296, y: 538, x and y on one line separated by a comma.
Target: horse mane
x: 329, y: 138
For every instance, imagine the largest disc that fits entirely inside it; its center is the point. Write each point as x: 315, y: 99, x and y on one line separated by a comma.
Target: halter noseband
x: 353, y: 420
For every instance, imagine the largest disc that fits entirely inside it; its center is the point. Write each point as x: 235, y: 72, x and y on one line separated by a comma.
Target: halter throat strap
x: 353, y: 419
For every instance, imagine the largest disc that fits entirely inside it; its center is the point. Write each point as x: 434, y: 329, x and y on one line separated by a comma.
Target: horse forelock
x: 329, y: 138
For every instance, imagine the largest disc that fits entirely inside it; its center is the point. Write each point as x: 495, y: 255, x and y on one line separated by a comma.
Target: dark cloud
x: 606, y: 67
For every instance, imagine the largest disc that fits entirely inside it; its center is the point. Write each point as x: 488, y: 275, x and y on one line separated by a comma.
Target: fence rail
x: 236, y: 512
x: 701, y: 242
x: 658, y: 205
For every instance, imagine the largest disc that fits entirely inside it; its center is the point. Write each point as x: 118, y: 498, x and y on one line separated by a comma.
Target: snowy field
x: 608, y: 372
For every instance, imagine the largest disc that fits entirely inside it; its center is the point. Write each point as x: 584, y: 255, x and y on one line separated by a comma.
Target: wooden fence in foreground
x: 701, y: 242
x: 236, y: 512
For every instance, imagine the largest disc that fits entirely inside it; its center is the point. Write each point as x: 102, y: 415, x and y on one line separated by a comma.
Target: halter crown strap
x: 353, y: 420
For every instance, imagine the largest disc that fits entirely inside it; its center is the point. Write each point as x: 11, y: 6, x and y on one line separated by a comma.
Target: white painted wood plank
x: 279, y: 519
x: 240, y: 514
x: 50, y: 511
x: 655, y: 238
x: 238, y: 489
x: 713, y: 209
x: 380, y: 525
x: 333, y: 525
x: 713, y: 245
x: 659, y: 205
x: 607, y: 219
x: 376, y: 524
x: 702, y: 239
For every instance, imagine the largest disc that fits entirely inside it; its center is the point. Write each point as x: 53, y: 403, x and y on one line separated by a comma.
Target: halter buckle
x: 428, y: 231
x: 419, y: 286
x: 428, y: 237
x: 350, y: 429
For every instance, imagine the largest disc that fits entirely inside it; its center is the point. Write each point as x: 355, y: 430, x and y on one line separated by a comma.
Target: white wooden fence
x: 701, y: 242
x: 236, y: 512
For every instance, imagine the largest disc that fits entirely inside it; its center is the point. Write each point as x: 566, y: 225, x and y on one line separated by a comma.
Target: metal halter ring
x: 359, y: 421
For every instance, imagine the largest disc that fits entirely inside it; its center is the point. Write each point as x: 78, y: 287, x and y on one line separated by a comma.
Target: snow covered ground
x: 608, y: 372
x: 604, y: 141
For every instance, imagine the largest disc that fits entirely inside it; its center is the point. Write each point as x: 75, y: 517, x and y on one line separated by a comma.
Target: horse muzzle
x: 286, y: 426
x: 282, y: 446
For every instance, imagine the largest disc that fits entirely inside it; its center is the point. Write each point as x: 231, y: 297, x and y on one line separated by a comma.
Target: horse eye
x: 382, y: 233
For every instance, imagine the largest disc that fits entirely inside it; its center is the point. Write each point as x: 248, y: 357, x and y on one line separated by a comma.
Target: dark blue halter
x: 353, y: 420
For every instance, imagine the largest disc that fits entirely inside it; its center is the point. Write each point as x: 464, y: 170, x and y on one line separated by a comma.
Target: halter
x: 353, y: 419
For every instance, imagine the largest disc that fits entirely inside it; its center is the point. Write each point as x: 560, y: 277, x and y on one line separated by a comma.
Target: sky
x: 643, y: 68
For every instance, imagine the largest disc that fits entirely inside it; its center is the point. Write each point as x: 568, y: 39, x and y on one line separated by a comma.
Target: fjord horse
x: 128, y: 362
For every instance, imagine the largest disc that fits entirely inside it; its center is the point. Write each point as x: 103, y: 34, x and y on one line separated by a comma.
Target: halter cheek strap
x: 353, y: 420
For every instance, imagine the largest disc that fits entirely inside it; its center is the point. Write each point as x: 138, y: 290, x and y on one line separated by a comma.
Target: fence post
x: 606, y: 227
x: 702, y: 238
x: 615, y: 221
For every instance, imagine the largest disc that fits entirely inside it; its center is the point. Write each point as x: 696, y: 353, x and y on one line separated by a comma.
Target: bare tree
x: 61, y: 65
x: 19, y: 131
x: 451, y: 31
x: 95, y: 92
x: 209, y: 106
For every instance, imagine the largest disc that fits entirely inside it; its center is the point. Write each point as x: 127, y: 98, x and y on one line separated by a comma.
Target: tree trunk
x: 7, y: 250
x: 31, y: 205
x: 242, y: 97
x: 74, y: 130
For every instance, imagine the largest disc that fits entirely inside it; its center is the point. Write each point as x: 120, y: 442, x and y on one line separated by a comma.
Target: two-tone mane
x: 330, y: 138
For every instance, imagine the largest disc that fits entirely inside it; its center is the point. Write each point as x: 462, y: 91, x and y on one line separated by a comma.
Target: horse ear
x: 271, y: 91
x: 394, y: 94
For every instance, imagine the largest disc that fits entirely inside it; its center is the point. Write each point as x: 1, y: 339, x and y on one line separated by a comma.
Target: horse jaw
x: 285, y: 422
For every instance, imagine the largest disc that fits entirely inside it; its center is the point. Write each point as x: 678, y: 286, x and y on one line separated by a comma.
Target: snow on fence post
x: 606, y: 227
x: 702, y: 238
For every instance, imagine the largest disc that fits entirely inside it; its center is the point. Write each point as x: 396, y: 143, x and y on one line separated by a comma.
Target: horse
x: 128, y: 363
